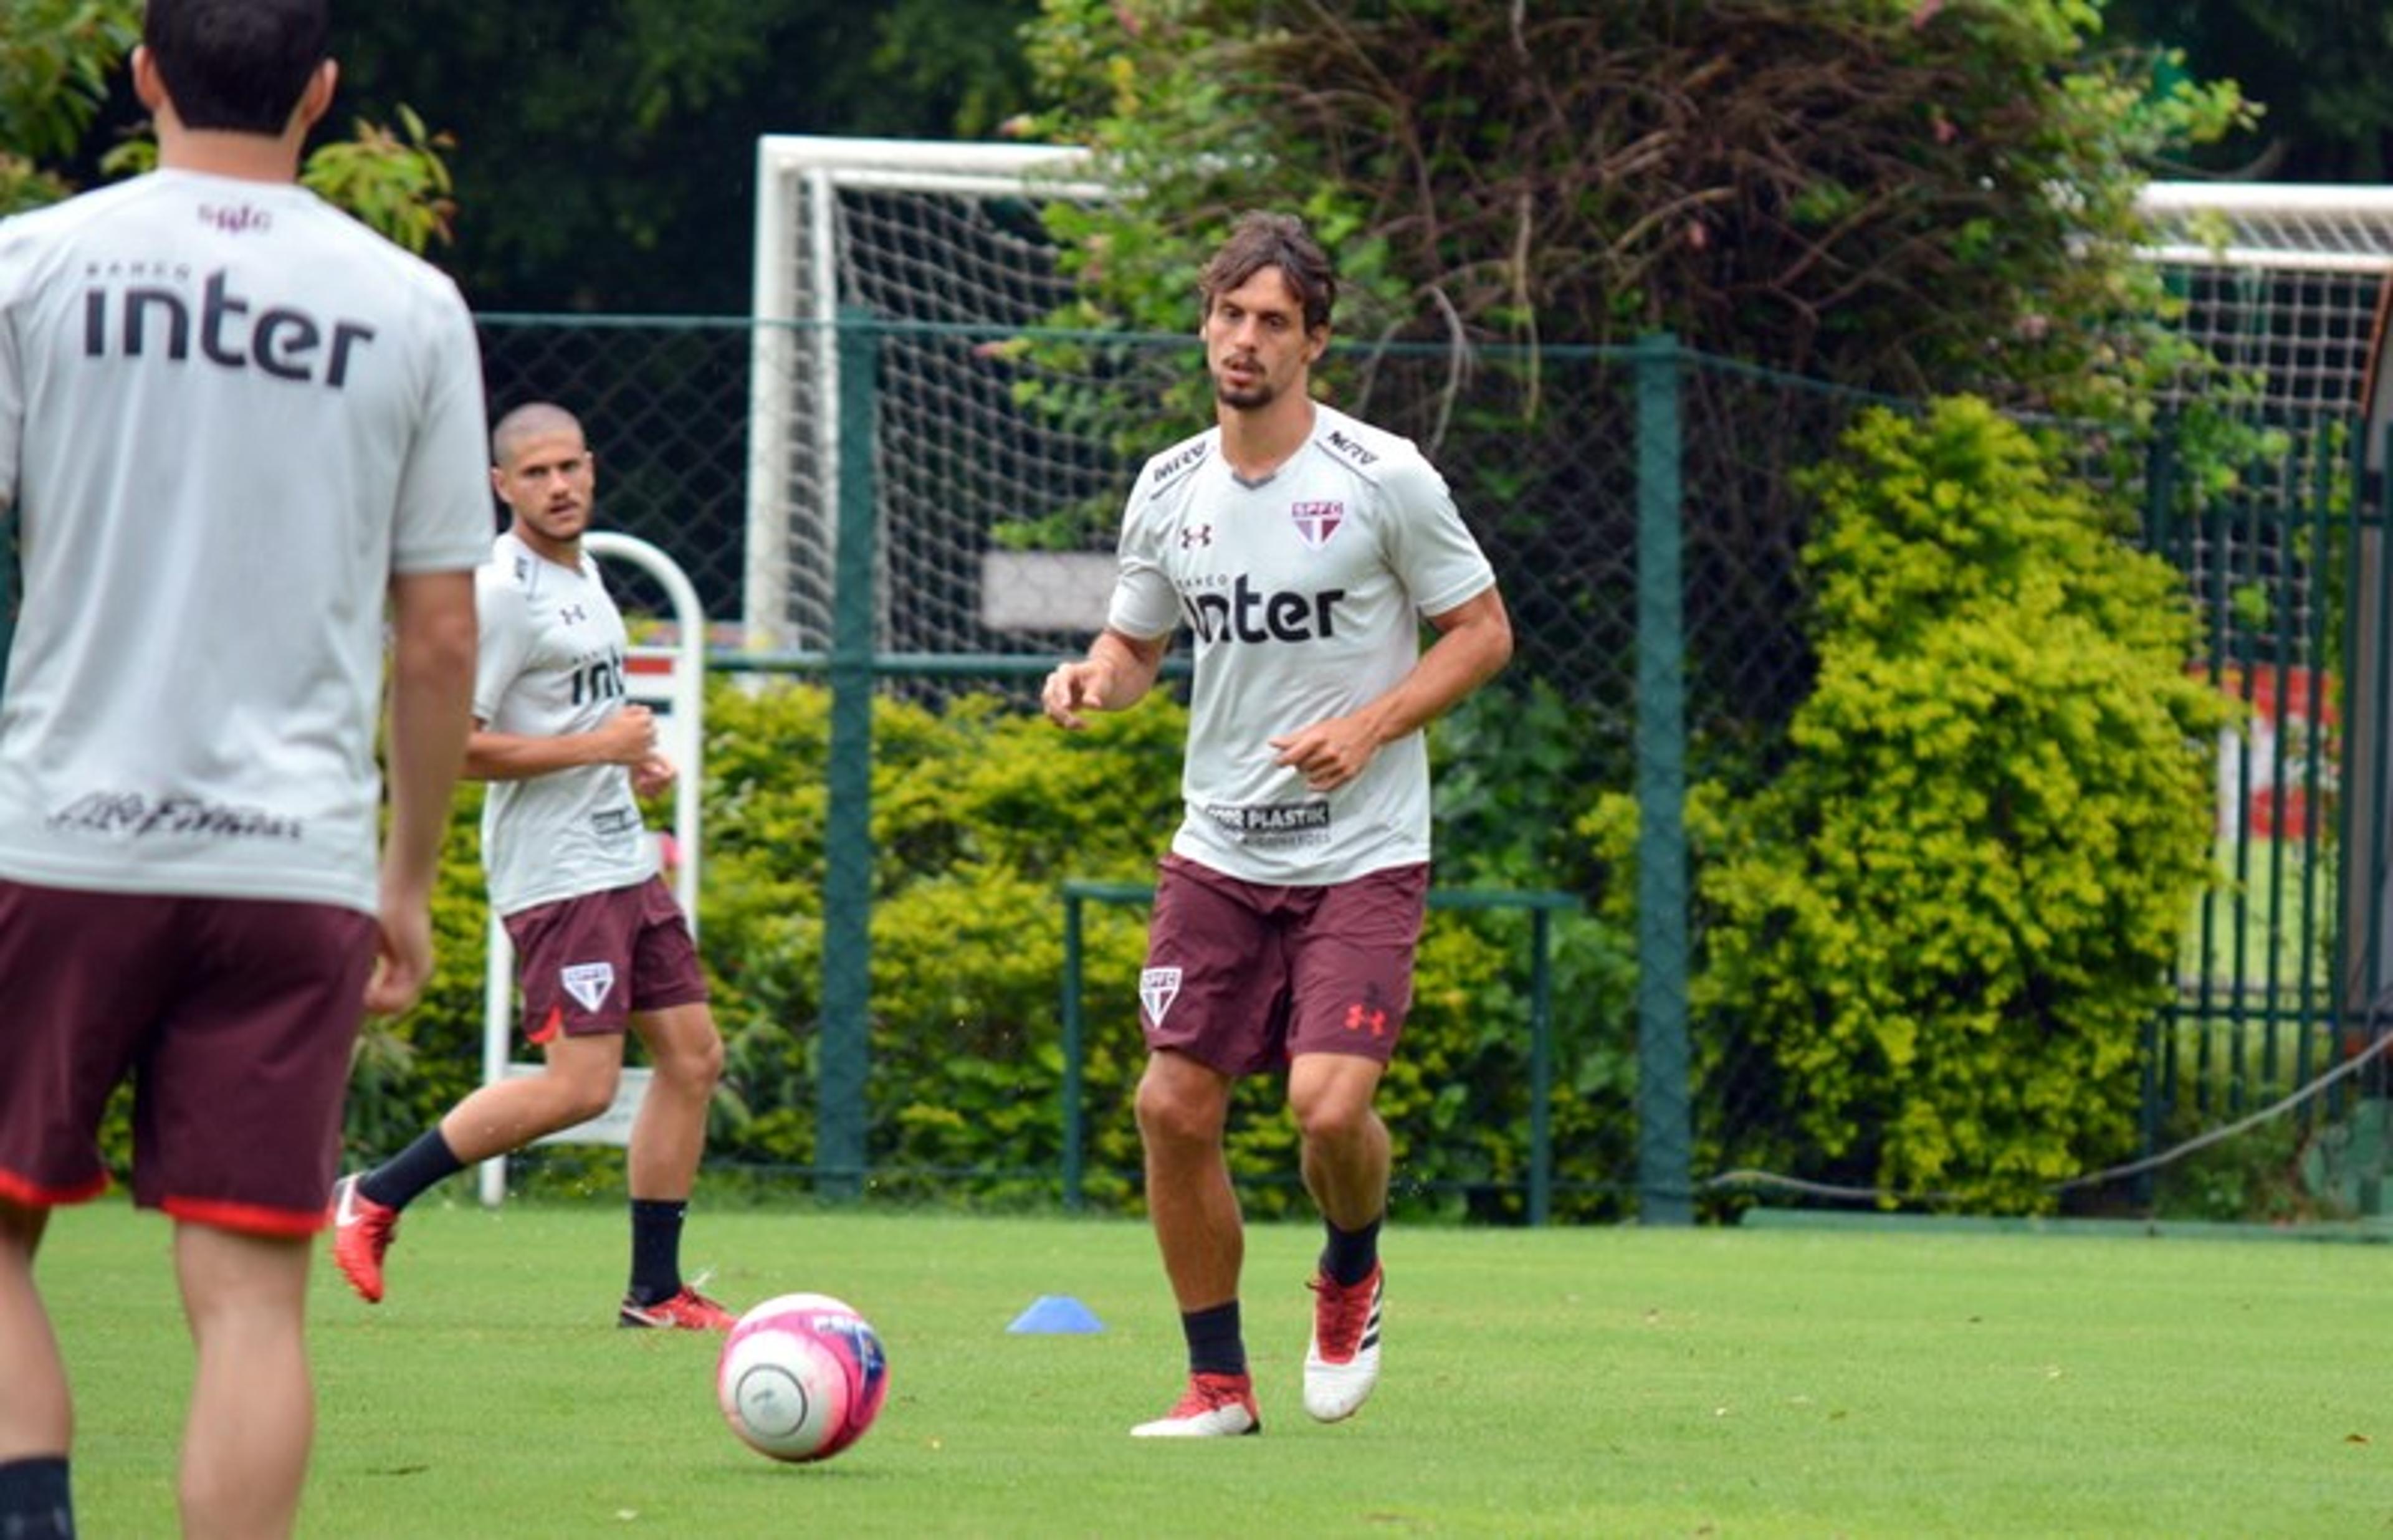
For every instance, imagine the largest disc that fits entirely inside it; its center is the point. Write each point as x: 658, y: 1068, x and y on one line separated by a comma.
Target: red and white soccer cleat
x: 1343, y: 1361
x: 362, y: 1230
x: 688, y: 1310
x: 1214, y: 1406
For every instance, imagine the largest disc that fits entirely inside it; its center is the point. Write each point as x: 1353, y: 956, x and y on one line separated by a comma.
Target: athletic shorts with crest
x: 587, y: 963
x: 1244, y: 976
x: 235, y: 1018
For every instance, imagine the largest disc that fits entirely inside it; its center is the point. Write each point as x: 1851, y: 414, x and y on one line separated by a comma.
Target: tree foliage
x: 1907, y: 197
x: 2317, y: 67
x: 58, y: 62
x: 606, y: 154
x: 603, y: 155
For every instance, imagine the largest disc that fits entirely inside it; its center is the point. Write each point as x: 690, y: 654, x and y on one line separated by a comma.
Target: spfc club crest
x: 589, y: 983
x: 1158, y: 988
x: 1316, y: 522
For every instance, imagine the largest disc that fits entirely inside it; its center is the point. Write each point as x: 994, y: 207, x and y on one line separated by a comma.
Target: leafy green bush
x: 1933, y: 938
x: 980, y: 813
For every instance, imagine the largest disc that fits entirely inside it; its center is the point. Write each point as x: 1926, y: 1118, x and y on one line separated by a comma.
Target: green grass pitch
x: 1569, y: 1382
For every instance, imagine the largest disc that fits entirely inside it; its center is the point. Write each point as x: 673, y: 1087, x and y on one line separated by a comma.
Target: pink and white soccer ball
x: 802, y: 1377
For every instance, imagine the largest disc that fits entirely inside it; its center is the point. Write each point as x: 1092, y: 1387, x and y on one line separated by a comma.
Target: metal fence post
x: 1541, y: 1065
x: 1074, y: 1197
x: 840, y: 1155
x: 1665, y: 1156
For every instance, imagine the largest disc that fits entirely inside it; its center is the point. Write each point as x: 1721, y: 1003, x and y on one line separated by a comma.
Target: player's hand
x: 652, y: 775
x: 1328, y: 755
x: 629, y: 736
x: 402, y: 957
x: 1071, y: 689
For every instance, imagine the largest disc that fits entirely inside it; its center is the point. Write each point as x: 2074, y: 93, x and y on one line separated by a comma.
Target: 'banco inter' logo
x: 137, y: 320
x: 1247, y: 614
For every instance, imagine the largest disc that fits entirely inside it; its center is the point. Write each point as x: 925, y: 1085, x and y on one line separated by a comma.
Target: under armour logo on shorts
x: 589, y: 981
x: 1158, y: 988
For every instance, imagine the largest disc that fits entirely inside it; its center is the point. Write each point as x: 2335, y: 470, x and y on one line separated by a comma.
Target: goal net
x: 941, y: 247
x: 2283, y: 281
x: 2289, y: 283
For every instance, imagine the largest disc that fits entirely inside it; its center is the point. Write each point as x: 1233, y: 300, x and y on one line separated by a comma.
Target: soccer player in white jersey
x: 601, y: 943
x: 238, y: 432
x: 1303, y: 550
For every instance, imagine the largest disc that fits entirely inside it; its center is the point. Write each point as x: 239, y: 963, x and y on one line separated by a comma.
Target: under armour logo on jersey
x: 1316, y: 522
x: 1367, y: 1018
x: 573, y: 615
x: 1202, y: 534
x: 1158, y: 988
x: 589, y: 983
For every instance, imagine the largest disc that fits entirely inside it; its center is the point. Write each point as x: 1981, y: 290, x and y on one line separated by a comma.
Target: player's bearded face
x: 1255, y: 341
x: 548, y: 483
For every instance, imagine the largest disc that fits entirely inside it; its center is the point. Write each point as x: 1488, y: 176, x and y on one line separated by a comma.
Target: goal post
x: 904, y: 232
x: 2289, y: 281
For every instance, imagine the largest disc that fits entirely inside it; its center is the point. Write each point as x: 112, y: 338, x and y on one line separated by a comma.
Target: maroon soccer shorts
x: 587, y: 963
x: 1243, y: 976
x: 235, y: 1018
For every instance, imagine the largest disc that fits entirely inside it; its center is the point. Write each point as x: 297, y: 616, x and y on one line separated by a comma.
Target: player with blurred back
x: 239, y: 439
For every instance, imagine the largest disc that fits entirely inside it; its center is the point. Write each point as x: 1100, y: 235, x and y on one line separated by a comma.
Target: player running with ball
x: 1303, y: 549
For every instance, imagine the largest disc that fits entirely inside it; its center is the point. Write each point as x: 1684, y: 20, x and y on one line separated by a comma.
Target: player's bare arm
x: 628, y: 738
x: 431, y: 696
x: 1474, y: 642
x: 1119, y: 670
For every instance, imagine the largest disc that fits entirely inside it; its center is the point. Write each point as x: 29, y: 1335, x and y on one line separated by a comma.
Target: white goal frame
x: 2297, y: 233
x: 2289, y: 227
x: 799, y: 179
x: 2247, y: 249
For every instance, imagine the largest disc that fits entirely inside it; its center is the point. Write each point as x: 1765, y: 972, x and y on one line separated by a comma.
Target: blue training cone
x: 1056, y: 1314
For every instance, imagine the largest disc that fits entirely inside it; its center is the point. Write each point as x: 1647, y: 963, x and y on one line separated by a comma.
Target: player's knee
x: 699, y: 1065
x: 1167, y: 1114
x: 692, y: 1060
x: 1330, y: 1119
x: 585, y: 1097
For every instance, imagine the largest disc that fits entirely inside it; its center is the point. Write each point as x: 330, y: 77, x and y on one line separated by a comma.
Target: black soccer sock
x: 400, y: 1179
x: 1216, y: 1346
x: 655, y: 1249
x: 35, y: 1502
x: 1351, y: 1254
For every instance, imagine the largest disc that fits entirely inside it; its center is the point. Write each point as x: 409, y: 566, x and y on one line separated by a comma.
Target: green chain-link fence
x: 884, y: 533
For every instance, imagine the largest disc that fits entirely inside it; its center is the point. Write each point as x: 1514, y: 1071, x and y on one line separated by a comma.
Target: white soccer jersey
x: 552, y: 664
x: 228, y: 414
x: 1305, y: 593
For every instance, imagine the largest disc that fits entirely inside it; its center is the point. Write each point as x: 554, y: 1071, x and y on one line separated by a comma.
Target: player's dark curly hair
x: 1262, y: 239
x: 236, y: 65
